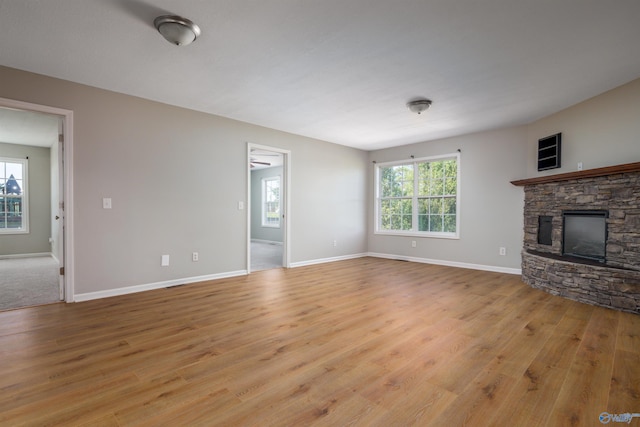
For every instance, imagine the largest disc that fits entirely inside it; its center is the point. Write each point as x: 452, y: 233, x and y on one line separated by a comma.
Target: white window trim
x: 409, y: 233
x: 25, y: 197
x: 263, y: 202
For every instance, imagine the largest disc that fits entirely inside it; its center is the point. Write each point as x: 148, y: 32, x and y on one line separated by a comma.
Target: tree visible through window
x: 271, y: 202
x: 13, y: 200
x: 418, y: 197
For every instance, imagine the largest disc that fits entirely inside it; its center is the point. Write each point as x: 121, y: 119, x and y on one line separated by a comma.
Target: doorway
x: 36, y: 144
x: 268, y: 207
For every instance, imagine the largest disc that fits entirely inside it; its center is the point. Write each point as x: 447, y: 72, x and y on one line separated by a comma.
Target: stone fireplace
x: 611, y: 280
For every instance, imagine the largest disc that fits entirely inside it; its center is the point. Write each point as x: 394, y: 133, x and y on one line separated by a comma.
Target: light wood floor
x: 366, y: 342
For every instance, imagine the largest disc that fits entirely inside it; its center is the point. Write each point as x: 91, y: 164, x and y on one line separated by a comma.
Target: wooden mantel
x: 590, y: 173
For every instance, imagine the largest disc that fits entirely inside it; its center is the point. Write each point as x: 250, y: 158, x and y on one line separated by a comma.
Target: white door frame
x: 286, y: 193
x: 67, y: 193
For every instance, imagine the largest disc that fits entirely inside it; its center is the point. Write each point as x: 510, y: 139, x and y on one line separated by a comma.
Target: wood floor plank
x: 628, y: 332
x: 585, y: 391
x: 362, y: 342
x: 625, y: 383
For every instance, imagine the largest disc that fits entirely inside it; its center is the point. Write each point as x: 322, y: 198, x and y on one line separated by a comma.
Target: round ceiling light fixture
x: 176, y: 29
x: 419, y: 105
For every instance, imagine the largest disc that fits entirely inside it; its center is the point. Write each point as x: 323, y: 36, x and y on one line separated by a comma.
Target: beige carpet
x: 28, y: 281
x: 265, y: 256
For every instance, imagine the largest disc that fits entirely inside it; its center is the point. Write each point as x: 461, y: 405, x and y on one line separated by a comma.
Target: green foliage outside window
x: 425, y: 203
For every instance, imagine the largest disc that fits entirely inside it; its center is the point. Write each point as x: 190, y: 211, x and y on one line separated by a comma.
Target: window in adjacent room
x: 271, y: 202
x: 419, y: 197
x: 13, y: 196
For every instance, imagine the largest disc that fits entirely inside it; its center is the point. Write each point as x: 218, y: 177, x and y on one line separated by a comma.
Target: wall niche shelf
x: 549, y: 152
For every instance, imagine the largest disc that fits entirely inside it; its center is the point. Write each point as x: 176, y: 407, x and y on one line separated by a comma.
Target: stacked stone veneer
x: 615, y: 284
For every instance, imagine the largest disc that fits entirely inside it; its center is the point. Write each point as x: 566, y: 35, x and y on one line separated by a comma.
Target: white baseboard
x: 151, y: 286
x: 493, y: 268
x: 324, y: 260
x: 165, y: 284
x: 36, y: 255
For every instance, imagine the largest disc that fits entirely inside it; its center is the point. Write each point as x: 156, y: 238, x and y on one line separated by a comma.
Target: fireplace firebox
x: 584, y: 234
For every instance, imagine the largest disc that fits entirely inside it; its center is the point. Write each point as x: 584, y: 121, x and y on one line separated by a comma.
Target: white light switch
x: 240, y: 206
x: 106, y: 203
x: 165, y: 261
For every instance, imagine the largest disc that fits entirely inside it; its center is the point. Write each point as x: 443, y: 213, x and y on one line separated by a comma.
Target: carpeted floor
x: 265, y: 256
x: 28, y: 281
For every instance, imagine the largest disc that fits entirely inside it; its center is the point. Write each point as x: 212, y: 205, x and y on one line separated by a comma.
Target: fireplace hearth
x: 582, y: 235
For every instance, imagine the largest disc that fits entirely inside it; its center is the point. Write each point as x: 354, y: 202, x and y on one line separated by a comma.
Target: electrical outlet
x: 579, y: 166
x: 106, y: 203
x: 413, y: 244
x: 195, y: 257
x: 335, y: 243
x: 503, y: 251
x: 165, y: 261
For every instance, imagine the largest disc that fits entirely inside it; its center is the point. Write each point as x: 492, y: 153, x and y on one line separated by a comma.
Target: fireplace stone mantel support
x: 614, y: 284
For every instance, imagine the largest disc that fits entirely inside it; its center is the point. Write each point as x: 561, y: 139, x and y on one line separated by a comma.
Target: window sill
x: 13, y: 231
x: 450, y: 236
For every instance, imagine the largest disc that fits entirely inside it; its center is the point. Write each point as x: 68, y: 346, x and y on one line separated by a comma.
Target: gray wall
x: 258, y: 232
x: 602, y: 131
x: 39, y: 193
x: 175, y: 177
x: 490, y: 207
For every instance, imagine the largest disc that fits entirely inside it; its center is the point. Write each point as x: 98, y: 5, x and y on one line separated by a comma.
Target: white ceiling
x: 341, y: 71
x: 28, y: 128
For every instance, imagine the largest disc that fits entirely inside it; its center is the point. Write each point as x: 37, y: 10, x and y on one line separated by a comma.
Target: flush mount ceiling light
x: 419, y: 105
x: 176, y: 29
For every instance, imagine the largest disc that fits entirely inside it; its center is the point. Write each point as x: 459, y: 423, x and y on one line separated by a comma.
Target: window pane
x: 14, y: 169
x: 387, y: 182
x: 423, y: 179
x: 435, y: 223
x: 395, y: 208
x: 3, y: 213
x: 436, y: 187
x: 449, y: 205
x: 407, y: 180
x: 396, y: 223
x: 396, y: 181
x: 385, y: 222
x: 450, y: 223
x: 423, y: 223
x: 406, y: 222
x: 271, y: 202
x: 423, y: 206
x: 407, y: 188
x: 435, y: 206
x: 450, y: 168
x: 450, y: 186
x: 437, y: 170
x: 385, y: 206
x: 407, y: 206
